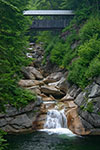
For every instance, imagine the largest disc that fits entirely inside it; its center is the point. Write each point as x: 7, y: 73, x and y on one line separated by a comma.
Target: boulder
x: 63, y: 84
x: 97, y: 80
x: 39, y: 122
x: 21, y: 121
x: 46, y: 106
x: 34, y: 89
x: 74, y: 123
x: 74, y: 91
x: 53, y: 77
x: 31, y: 73
x: 51, y: 90
x: 3, y: 122
x: 67, y: 97
x: 32, y: 44
x: 70, y: 104
x: 39, y: 101
x: 95, y: 91
x: 26, y: 83
x: 46, y: 98
x: 80, y: 99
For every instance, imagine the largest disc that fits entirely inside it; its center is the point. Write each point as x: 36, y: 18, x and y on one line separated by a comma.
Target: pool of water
x: 41, y: 140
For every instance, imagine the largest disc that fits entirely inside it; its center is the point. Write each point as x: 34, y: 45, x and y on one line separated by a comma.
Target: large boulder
x: 51, y: 90
x: 34, y: 89
x: 31, y: 73
x: 47, y: 98
x: 74, y: 123
x: 67, y: 97
x: 53, y: 77
x: 26, y: 83
x: 63, y: 84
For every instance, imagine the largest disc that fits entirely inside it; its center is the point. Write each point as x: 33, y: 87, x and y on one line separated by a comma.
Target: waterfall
x: 55, y: 119
x: 56, y: 123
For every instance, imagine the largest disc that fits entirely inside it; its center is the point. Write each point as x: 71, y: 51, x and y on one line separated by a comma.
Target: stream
x: 54, y: 136
x: 41, y: 140
x: 53, y: 118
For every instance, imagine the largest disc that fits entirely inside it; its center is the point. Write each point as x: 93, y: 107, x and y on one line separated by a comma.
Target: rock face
x: 17, y: 121
x: 88, y: 103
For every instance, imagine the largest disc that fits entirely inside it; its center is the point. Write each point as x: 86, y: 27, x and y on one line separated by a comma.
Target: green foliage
x: 58, y: 53
x: 84, y: 66
x: 3, y: 143
x: 90, y: 28
x: 13, y: 44
x: 94, y: 68
x: 89, y: 107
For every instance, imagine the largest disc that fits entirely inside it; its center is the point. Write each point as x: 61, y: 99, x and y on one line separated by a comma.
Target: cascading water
x: 56, y: 122
x: 55, y: 119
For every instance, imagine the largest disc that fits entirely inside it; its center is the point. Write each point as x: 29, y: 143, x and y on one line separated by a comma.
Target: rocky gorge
x: 82, y: 108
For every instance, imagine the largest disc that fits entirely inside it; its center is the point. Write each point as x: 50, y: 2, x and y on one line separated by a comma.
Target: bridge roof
x: 48, y: 12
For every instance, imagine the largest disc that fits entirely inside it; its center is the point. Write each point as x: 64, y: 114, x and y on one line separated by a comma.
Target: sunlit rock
x: 51, y: 90
x: 53, y: 77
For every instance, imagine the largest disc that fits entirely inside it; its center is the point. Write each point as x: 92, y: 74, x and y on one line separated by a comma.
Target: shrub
x: 94, y: 68
x: 58, y: 53
x: 3, y: 143
x: 87, y: 64
x: 90, y: 28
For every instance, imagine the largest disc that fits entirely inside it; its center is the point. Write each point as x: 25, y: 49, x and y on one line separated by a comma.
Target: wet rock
x: 95, y: 131
x: 70, y: 104
x: 9, y: 129
x: 46, y: 106
x: 29, y: 55
x: 39, y: 122
x: 30, y: 48
x: 74, y: 123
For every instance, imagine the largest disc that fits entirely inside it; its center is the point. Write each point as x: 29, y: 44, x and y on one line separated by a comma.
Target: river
x: 41, y: 140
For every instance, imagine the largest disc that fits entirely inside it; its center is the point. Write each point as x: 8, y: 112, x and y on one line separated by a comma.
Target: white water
x: 59, y: 131
x: 55, y: 119
x: 56, y: 122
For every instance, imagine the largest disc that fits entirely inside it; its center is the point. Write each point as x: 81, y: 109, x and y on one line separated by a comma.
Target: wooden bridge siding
x: 49, y: 24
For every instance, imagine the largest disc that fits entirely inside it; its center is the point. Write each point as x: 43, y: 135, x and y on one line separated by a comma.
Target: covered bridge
x: 53, y: 23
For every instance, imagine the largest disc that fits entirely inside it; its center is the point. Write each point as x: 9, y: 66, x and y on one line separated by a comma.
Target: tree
x: 13, y: 26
